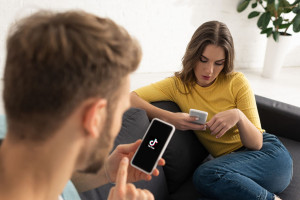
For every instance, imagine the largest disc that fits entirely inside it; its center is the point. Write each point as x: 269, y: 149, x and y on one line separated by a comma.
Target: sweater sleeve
x: 160, y: 91
x: 245, y: 100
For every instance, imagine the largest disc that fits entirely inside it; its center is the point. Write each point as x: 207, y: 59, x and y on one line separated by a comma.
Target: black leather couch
x: 185, y: 153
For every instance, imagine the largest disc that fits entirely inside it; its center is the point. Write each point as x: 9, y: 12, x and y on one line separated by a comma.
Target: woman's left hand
x: 223, y: 121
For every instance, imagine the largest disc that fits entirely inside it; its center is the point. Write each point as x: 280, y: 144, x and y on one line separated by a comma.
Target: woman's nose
x: 209, y: 68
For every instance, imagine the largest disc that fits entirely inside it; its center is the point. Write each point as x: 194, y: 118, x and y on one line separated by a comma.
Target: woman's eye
x: 202, y: 60
x: 219, y: 64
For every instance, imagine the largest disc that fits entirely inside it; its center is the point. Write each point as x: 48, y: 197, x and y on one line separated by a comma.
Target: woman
x: 249, y: 163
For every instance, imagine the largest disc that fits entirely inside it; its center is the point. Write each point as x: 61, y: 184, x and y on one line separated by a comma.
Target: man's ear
x: 94, y: 117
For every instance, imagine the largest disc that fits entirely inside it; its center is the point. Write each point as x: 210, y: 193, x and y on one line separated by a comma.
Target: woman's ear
x: 94, y: 117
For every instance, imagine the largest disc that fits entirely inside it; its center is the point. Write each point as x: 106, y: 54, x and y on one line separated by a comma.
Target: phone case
x: 200, y: 114
x: 163, y: 149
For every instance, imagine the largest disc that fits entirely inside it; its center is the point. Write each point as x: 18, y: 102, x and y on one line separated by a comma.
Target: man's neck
x: 36, y: 170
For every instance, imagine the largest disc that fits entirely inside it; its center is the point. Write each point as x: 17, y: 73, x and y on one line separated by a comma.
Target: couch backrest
x: 279, y: 118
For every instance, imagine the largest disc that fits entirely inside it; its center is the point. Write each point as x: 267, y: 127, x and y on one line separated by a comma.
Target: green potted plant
x: 274, y: 11
x: 274, y: 17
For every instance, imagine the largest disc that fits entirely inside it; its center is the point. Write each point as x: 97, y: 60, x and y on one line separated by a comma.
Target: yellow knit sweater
x: 227, y: 92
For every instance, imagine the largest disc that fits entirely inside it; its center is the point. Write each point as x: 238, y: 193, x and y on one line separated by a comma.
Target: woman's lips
x: 206, y: 77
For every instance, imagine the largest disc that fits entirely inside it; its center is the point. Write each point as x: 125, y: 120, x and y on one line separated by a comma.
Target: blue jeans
x: 247, y: 174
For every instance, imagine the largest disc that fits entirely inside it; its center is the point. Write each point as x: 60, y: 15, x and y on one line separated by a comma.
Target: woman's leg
x: 247, y: 174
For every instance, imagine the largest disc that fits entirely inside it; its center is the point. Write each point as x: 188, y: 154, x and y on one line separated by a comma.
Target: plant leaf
x: 296, y: 24
x: 284, y: 6
x: 284, y: 26
x: 296, y: 10
x: 270, y: 1
x: 253, y: 14
x: 271, y: 8
x: 264, y: 20
x: 254, y: 5
x: 243, y: 5
x: 276, y: 4
x: 268, y: 31
x: 277, y: 7
x: 278, y: 21
x: 297, y: 1
x: 276, y: 36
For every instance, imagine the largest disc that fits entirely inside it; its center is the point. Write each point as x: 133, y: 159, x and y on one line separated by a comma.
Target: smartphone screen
x: 153, y: 145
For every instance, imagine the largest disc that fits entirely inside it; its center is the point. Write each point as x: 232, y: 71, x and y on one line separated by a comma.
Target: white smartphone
x: 200, y: 114
x: 154, y: 143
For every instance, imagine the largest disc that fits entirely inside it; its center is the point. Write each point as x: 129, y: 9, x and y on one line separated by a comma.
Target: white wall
x: 163, y: 27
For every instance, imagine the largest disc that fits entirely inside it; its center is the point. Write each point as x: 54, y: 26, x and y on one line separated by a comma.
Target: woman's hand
x: 183, y: 121
x: 223, y: 121
x: 127, y: 150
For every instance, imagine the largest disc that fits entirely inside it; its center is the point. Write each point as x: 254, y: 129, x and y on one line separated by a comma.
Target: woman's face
x: 210, y: 64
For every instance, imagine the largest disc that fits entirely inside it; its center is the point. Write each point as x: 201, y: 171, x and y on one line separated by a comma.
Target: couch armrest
x: 279, y: 118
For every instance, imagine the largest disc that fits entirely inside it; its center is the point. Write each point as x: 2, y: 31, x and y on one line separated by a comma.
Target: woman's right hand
x: 183, y: 121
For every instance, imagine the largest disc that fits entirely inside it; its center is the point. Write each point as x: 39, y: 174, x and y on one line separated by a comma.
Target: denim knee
x: 220, y: 183
x: 240, y: 174
x: 284, y: 165
x: 204, y: 177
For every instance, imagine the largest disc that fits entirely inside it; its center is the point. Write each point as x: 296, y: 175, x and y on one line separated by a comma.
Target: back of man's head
x: 55, y: 61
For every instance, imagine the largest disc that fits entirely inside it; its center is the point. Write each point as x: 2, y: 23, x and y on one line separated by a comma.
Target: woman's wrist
x: 239, y: 114
x: 165, y: 115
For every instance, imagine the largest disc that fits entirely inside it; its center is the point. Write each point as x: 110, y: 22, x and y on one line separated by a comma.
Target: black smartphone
x: 154, y: 143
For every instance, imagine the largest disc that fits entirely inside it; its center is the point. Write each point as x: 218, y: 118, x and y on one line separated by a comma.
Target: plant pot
x: 275, y: 55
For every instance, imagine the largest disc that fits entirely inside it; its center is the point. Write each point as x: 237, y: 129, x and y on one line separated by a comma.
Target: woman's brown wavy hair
x: 212, y: 32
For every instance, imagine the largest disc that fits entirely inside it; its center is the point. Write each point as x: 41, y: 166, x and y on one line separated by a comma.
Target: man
x: 66, y: 86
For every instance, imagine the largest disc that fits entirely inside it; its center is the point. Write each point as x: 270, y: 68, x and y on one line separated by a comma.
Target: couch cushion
x: 134, y: 126
x: 292, y: 192
x: 183, y: 154
x: 187, y: 191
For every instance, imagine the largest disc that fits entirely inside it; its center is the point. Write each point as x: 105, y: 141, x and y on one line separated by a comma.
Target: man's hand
x: 127, y: 150
x: 124, y: 190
